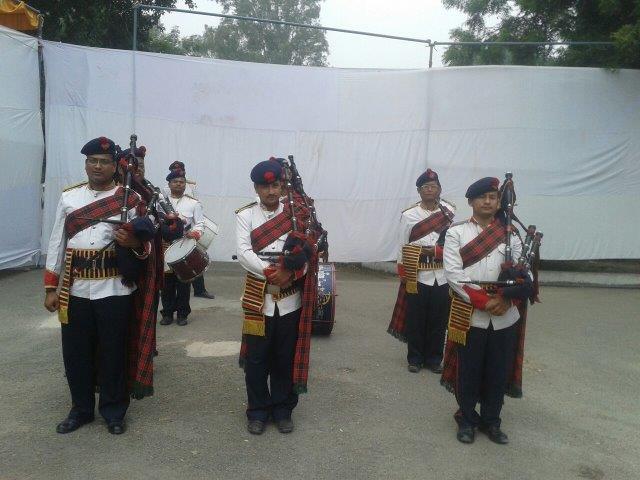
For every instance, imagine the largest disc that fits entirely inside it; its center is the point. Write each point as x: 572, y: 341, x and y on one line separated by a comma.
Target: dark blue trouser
x: 271, y: 358
x: 427, y: 316
x: 94, y: 350
x: 483, y: 365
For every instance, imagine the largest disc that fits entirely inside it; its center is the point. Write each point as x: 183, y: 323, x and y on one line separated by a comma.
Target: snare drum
x: 210, y: 232
x: 323, y: 322
x: 186, y: 259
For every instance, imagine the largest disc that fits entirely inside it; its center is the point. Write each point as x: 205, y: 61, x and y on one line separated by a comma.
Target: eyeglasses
x: 429, y: 187
x: 104, y: 162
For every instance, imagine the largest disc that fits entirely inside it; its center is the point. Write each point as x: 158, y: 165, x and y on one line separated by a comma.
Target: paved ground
x: 365, y: 417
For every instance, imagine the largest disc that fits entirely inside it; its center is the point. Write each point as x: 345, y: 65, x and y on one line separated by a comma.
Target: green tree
x: 548, y: 21
x: 268, y: 43
x: 100, y: 23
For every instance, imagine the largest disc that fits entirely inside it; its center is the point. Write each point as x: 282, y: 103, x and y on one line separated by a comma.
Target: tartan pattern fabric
x: 103, y: 208
x: 483, y: 244
x: 449, y: 378
x: 397, y: 326
x: 142, y: 332
x: 433, y: 223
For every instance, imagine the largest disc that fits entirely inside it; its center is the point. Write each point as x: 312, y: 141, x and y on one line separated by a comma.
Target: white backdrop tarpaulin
x: 21, y: 149
x: 361, y: 137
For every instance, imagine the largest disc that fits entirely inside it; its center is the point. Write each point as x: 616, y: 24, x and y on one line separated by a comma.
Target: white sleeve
x: 453, y: 271
x: 403, y: 237
x: 57, y: 241
x: 246, y: 256
x: 198, y: 217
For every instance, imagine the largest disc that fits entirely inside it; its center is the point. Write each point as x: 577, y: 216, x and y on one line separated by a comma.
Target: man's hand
x: 193, y: 234
x: 280, y: 277
x: 498, y: 305
x: 51, y: 301
x: 127, y: 239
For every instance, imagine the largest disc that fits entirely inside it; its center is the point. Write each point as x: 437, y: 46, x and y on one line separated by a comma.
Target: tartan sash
x: 483, y: 244
x: 397, y: 325
x: 435, y: 222
x: 103, y: 208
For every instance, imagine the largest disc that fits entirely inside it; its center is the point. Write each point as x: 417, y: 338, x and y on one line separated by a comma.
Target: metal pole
x: 431, y: 45
x: 282, y: 22
x: 134, y: 48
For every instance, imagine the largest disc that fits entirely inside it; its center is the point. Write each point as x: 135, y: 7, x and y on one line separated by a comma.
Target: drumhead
x: 179, y: 249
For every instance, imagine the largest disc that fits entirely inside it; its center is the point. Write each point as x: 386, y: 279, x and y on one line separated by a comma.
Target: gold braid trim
x: 459, y: 319
x: 252, y: 303
x: 63, y: 296
x: 410, y: 260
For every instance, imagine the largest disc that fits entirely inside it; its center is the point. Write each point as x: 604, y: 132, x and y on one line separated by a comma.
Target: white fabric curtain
x: 21, y: 150
x: 361, y: 137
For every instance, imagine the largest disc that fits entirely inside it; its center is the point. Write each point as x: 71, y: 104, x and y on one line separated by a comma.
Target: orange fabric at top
x: 18, y: 15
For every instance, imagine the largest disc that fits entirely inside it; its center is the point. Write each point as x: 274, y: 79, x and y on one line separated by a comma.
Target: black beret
x: 482, y: 186
x: 141, y: 151
x: 99, y: 146
x: 176, y: 174
x: 428, y: 176
x: 177, y: 165
x: 266, y: 172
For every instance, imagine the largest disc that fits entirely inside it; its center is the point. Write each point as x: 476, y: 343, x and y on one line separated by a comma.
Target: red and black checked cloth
x: 433, y: 223
x: 483, y: 244
x: 142, y: 331
x: 263, y: 236
x: 472, y: 252
x: 103, y: 208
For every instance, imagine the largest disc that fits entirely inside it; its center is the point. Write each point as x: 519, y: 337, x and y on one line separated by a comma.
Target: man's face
x: 269, y: 194
x: 429, y: 192
x: 485, y: 205
x: 100, y: 168
x: 177, y: 186
x: 140, y: 171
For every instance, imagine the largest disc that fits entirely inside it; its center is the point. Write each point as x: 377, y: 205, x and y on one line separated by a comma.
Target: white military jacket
x: 93, y: 237
x: 486, y: 269
x: 190, y: 212
x: 408, y: 219
x: 247, y: 219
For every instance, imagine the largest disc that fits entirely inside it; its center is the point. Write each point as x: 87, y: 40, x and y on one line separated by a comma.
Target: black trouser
x: 94, y: 346
x: 427, y: 316
x: 483, y: 365
x: 175, y: 296
x: 272, y: 356
x: 198, y: 285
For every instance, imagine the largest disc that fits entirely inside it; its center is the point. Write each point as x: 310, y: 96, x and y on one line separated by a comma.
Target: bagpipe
x: 308, y: 241
x: 518, y: 279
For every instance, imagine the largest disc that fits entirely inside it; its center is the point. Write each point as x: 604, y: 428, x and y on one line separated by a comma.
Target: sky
x: 426, y: 19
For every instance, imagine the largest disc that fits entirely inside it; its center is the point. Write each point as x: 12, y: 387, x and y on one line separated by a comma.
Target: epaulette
x: 75, y: 185
x: 412, y: 206
x: 458, y: 223
x: 249, y: 205
x: 191, y: 182
x: 189, y: 196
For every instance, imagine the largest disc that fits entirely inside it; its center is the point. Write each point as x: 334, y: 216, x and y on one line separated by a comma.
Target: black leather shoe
x: 466, y: 434
x: 413, y: 368
x: 70, y: 424
x: 285, y: 425
x: 182, y: 321
x: 435, y: 368
x: 166, y: 320
x: 205, y: 294
x: 495, y: 434
x: 116, y: 428
x: 256, y: 427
